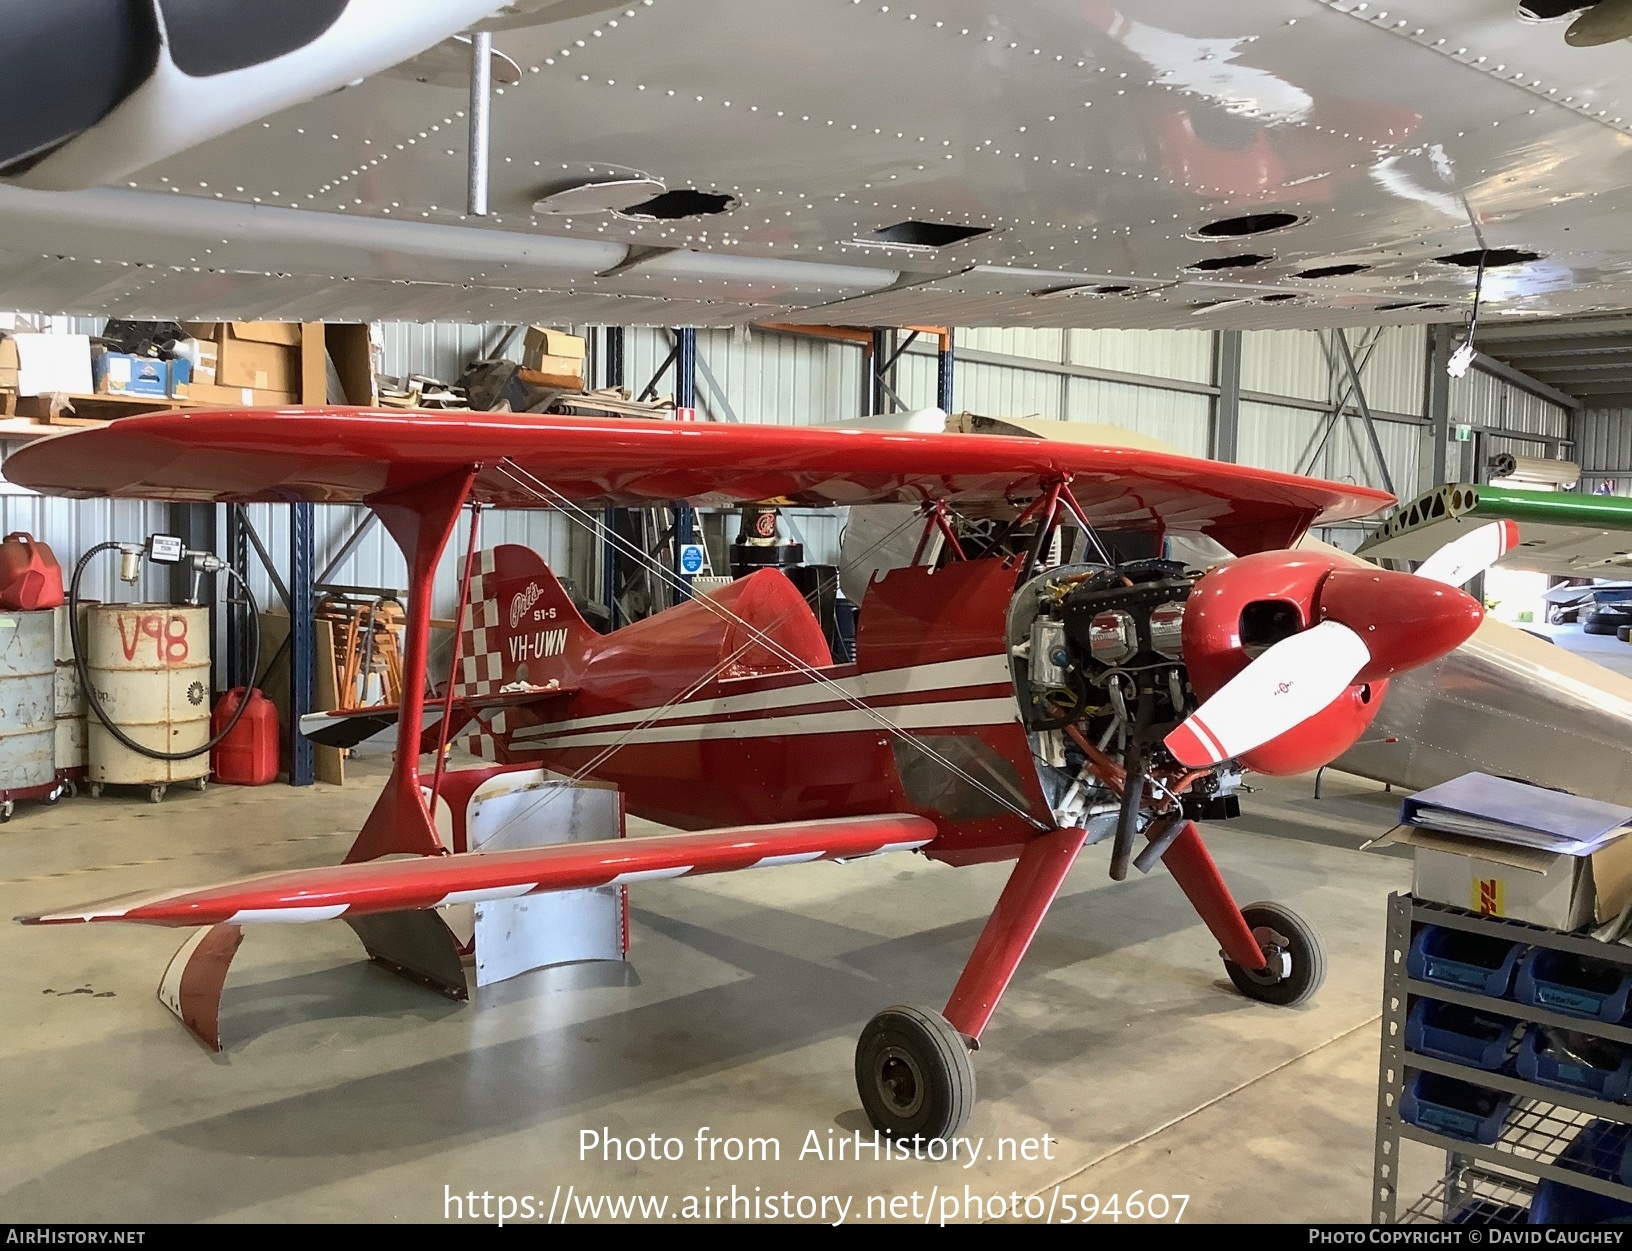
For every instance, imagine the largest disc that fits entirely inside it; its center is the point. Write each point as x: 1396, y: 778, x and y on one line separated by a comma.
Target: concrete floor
x: 1601, y: 649
x: 346, y: 1094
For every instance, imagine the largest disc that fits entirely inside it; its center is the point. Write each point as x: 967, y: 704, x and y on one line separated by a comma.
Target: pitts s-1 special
x: 997, y: 707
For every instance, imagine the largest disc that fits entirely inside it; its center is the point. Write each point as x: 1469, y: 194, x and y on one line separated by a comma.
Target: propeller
x: 1605, y: 22
x: 1471, y: 554
x: 1302, y: 674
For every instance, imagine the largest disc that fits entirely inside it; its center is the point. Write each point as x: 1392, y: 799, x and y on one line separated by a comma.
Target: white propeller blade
x: 1471, y: 554
x: 1284, y: 687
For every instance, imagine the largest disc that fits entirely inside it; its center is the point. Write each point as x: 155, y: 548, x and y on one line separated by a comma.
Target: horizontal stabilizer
x: 348, y: 728
x: 374, y: 886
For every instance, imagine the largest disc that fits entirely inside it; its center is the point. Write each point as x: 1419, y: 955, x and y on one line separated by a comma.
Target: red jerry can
x: 30, y: 577
x: 249, y: 755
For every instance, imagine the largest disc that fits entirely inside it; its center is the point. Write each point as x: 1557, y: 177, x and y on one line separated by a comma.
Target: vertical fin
x: 522, y: 628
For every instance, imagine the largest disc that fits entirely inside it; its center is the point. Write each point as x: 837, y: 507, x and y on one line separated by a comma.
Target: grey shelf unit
x: 1543, y: 1120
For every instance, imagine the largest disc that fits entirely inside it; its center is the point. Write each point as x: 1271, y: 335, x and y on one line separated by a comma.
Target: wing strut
x: 422, y: 521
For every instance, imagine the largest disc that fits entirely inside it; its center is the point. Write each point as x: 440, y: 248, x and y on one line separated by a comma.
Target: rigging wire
x: 531, y: 482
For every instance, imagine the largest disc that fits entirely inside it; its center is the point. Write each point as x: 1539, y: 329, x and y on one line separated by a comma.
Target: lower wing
x: 322, y: 894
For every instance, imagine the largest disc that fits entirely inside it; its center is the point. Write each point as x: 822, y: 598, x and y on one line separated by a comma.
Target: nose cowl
x: 1404, y: 620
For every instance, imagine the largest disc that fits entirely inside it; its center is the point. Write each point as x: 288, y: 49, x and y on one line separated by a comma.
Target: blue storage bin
x: 1600, y: 1148
x: 1541, y: 1060
x: 1574, y: 985
x: 1448, y: 1031
x: 1473, y: 962
x: 1455, y: 1108
x: 1558, y: 1204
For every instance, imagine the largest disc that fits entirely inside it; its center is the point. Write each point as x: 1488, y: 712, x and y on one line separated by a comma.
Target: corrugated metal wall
x: 760, y: 376
x: 1481, y: 399
x: 1603, y: 447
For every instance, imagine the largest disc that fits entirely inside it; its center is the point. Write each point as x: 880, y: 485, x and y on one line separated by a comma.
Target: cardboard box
x: 553, y: 378
x: 120, y: 373
x: 202, y: 356
x: 234, y: 397
x: 262, y: 355
x: 1562, y: 892
x: 542, y: 343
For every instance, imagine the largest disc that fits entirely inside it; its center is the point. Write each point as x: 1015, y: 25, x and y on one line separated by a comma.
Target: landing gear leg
x: 1271, y: 954
x: 912, y: 1065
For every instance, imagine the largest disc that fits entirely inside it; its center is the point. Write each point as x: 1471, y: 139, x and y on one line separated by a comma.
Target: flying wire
x: 531, y: 482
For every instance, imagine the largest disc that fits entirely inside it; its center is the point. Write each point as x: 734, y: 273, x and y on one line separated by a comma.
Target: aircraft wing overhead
x: 1562, y: 534
x: 354, y: 890
x: 1126, y: 164
x: 358, y: 456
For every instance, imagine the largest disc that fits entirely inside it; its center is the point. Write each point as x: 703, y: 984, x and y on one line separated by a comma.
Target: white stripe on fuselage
x: 794, y: 724
x: 946, y: 675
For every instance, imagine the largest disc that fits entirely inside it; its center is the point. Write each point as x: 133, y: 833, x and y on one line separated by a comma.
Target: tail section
x: 521, y: 633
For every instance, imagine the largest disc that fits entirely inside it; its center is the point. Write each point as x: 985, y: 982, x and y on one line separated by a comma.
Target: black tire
x: 1605, y: 621
x: 1624, y: 633
x: 1281, y: 931
x: 913, y: 1074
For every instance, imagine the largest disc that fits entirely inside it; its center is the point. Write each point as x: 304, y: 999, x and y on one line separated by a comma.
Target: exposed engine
x: 1099, y: 663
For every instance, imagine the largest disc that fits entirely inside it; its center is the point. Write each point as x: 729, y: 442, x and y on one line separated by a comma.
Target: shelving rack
x: 1543, y: 1120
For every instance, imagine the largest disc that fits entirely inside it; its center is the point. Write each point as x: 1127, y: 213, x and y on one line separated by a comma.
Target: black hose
x: 1133, y: 789
x: 95, y: 703
x: 1127, y: 820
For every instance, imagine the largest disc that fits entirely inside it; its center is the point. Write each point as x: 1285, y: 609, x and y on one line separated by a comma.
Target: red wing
x: 353, y: 456
x: 432, y: 881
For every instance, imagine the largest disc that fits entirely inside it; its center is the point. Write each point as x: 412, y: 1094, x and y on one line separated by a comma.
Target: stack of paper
x: 1500, y: 810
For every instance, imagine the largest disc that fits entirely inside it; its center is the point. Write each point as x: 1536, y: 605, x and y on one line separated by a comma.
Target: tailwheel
x: 1297, y: 961
x: 914, y: 1075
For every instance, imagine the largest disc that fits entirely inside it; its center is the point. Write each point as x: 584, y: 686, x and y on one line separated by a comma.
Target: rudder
x: 521, y: 628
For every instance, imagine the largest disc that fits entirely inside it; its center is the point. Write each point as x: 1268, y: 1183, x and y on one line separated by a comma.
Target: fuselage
x: 703, y: 724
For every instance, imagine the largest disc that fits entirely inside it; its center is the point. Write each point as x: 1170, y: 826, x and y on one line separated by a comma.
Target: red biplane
x: 999, y: 707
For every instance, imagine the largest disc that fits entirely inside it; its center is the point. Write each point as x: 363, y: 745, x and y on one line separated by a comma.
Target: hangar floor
x: 346, y: 1094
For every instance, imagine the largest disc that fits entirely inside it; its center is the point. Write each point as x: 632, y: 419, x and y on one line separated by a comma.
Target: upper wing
x: 1566, y: 535
x: 351, y: 456
x: 433, y: 881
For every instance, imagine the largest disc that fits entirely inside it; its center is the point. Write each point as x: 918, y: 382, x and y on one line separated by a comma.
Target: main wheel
x: 914, y: 1075
x: 1297, y: 961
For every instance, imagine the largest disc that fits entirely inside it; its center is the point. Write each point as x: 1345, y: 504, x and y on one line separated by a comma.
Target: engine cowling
x: 1236, y: 613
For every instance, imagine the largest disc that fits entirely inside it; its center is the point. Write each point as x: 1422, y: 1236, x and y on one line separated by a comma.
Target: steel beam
x: 1437, y: 398
x: 1523, y: 350
x: 612, y: 368
x: 1342, y: 342
x: 685, y: 396
x: 1559, y: 375
x: 877, y: 355
x: 1227, y: 402
x: 302, y: 640
x: 1555, y: 328
x: 1523, y: 381
x: 239, y: 662
x: 194, y: 525
x: 945, y: 374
